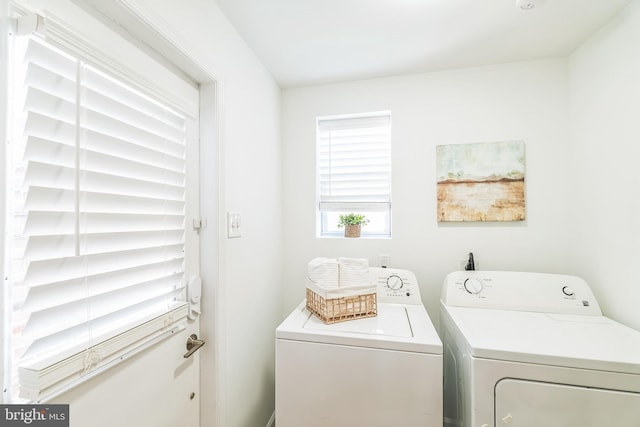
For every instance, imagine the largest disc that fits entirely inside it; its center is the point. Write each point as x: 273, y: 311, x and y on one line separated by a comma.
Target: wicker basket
x: 335, y: 310
x: 352, y: 230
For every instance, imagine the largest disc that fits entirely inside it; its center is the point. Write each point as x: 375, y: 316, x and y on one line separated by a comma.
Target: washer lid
x: 589, y: 342
x: 391, y: 321
x: 396, y: 327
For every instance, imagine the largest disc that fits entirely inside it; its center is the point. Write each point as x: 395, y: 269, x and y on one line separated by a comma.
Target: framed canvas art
x: 481, y: 181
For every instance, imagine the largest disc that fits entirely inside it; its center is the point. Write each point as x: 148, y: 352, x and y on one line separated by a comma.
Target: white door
x: 155, y: 386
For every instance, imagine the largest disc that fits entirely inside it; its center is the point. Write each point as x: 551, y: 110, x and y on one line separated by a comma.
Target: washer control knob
x: 394, y: 282
x: 568, y: 291
x: 473, y: 285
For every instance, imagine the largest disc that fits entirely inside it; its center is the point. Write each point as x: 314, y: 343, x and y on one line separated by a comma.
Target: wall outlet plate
x: 384, y: 260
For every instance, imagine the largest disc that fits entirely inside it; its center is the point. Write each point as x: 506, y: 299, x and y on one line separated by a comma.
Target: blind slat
x: 50, y: 105
x: 45, y: 127
x: 96, y: 182
x: 56, y: 270
x: 49, y: 321
x: 97, y: 162
x: 57, y: 246
x: 106, y: 106
x: 51, y: 223
x: 46, y: 150
x: 354, y: 206
x: 111, y: 146
x: 47, y: 80
x: 46, y: 297
x: 111, y: 126
x: 50, y: 59
x: 100, y: 83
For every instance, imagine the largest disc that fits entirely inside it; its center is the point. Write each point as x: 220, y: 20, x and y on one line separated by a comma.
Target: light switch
x: 234, y: 223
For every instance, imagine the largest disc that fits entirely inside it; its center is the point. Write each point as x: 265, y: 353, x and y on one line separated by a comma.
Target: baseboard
x: 272, y: 420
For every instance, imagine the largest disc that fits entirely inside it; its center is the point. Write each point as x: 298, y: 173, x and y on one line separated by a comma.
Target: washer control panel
x: 395, y: 285
x: 522, y: 291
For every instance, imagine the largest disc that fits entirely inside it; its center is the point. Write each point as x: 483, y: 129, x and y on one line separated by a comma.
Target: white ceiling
x: 304, y: 42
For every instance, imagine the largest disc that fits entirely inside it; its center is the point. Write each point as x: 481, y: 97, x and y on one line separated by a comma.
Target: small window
x: 354, y: 172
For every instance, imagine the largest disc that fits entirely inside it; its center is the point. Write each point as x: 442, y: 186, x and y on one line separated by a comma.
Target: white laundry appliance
x: 532, y: 349
x: 383, y: 371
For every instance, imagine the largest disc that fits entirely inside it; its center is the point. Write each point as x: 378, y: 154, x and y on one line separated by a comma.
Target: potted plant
x: 352, y: 224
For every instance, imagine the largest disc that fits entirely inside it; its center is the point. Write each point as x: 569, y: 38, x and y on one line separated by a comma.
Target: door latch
x: 193, y: 344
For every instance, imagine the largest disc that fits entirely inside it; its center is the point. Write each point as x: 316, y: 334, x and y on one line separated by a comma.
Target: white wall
x: 604, y: 77
x: 525, y: 101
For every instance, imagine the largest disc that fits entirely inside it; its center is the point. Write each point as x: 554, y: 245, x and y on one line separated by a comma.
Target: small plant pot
x: 352, y: 230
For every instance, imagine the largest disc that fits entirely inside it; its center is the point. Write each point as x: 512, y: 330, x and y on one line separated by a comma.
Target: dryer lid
x: 589, y: 342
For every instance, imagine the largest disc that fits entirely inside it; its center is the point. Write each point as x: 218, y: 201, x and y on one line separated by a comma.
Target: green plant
x: 352, y: 219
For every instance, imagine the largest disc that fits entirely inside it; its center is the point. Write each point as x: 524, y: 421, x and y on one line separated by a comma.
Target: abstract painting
x: 481, y: 181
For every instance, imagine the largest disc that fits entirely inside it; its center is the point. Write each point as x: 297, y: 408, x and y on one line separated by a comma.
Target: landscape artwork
x: 481, y: 181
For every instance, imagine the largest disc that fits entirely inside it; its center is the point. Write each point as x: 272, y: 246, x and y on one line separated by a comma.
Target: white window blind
x: 98, y: 232
x: 354, y: 171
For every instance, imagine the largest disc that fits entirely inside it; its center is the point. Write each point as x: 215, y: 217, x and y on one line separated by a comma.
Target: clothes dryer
x: 532, y: 349
x: 383, y: 371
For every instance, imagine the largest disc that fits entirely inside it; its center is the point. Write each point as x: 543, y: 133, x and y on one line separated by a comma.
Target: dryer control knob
x: 568, y: 291
x: 473, y: 285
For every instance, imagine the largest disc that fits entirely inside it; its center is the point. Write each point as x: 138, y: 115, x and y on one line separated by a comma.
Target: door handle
x: 193, y: 344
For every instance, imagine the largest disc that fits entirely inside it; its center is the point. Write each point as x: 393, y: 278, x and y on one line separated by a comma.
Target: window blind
x: 99, y: 218
x: 354, y: 163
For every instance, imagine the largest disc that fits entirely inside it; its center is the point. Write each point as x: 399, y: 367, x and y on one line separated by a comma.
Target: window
x: 354, y: 172
x: 97, y: 206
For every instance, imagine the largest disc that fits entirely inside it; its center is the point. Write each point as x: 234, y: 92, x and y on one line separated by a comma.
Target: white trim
x: 143, y: 23
x: 213, y: 323
x: 272, y: 420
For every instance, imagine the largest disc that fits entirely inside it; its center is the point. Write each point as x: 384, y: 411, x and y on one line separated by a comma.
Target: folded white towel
x: 331, y: 273
x: 343, y: 291
x: 354, y: 271
x: 354, y: 261
x: 325, y: 272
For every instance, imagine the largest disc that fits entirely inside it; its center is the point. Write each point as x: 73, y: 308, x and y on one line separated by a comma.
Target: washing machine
x: 533, y: 349
x: 383, y: 371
